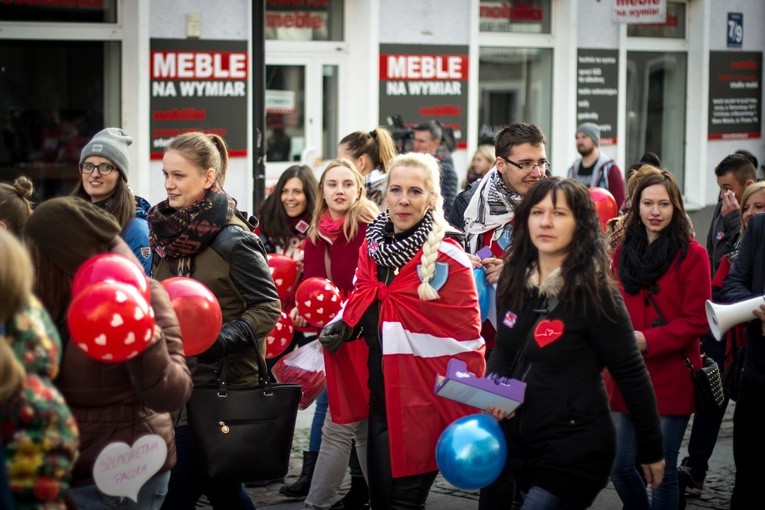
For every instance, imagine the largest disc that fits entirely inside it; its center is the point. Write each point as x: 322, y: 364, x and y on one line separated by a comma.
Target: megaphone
x: 723, y: 317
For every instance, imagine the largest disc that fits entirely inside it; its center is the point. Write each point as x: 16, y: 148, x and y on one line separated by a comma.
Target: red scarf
x: 329, y: 228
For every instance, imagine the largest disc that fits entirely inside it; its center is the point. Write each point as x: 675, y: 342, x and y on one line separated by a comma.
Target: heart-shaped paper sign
x: 548, y: 331
x: 121, y: 470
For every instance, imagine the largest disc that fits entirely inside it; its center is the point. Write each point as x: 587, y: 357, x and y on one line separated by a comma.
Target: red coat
x: 683, y: 289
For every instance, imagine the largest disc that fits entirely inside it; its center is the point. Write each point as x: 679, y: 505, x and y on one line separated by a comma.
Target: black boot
x: 299, y: 489
x: 357, y: 498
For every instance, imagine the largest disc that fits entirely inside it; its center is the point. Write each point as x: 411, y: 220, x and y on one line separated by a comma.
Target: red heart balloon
x: 280, y: 336
x: 110, y: 321
x: 110, y: 267
x: 198, y: 312
x: 284, y: 272
x: 548, y: 331
x: 317, y: 301
x: 605, y: 205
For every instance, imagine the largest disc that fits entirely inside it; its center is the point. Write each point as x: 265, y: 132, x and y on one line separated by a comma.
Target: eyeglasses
x: 542, y: 164
x: 103, y: 168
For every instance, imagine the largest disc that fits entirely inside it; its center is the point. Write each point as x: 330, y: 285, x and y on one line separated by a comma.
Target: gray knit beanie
x: 590, y: 129
x: 112, y: 144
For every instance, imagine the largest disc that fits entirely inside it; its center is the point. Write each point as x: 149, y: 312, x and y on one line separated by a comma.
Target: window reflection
x: 52, y: 101
x: 515, y: 86
x: 285, y: 112
x: 656, y: 108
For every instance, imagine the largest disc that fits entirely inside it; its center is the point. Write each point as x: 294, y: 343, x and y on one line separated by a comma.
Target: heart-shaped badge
x: 548, y: 331
x: 121, y: 470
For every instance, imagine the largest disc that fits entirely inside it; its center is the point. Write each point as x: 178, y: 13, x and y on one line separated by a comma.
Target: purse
x: 707, y: 382
x: 707, y: 385
x: 243, y: 434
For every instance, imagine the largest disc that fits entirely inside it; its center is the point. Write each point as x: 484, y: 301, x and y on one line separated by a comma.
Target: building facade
x: 688, y: 88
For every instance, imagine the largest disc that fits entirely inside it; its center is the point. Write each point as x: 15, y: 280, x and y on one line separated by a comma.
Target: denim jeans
x: 150, y: 497
x: 332, y: 463
x: 539, y: 499
x: 624, y: 474
x: 319, y: 414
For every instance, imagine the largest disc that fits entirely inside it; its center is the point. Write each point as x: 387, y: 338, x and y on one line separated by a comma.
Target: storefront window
x: 285, y: 112
x: 304, y: 20
x: 656, y: 85
x: 673, y: 28
x: 515, y: 86
x: 94, y: 11
x: 526, y: 16
x: 53, y: 98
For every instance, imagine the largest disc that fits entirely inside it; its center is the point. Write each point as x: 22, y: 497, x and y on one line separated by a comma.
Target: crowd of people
x: 599, y: 324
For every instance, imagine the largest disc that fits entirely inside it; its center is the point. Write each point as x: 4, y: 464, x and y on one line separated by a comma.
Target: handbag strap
x: 327, y: 266
x: 263, y: 379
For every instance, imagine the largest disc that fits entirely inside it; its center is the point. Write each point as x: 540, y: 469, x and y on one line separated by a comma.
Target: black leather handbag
x: 707, y: 385
x: 244, y: 434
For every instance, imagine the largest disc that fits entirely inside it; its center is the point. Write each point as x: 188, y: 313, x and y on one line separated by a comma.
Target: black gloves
x: 235, y: 336
x: 333, y: 335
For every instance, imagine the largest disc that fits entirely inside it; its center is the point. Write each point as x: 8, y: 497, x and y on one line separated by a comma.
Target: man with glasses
x: 485, y: 212
x: 595, y: 169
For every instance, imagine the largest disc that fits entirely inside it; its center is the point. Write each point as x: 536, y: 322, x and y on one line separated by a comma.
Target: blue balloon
x: 471, y: 452
x: 484, y: 297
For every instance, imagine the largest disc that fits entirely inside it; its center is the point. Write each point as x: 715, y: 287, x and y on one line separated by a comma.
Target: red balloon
x: 280, y: 337
x: 605, y: 205
x: 317, y: 301
x: 284, y: 272
x: 110, y: 267
x: 110, y: 321
x: 198, y: 313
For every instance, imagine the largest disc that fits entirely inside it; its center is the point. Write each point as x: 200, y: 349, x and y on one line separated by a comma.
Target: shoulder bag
x: 707, y: 383
x: 243, y: 434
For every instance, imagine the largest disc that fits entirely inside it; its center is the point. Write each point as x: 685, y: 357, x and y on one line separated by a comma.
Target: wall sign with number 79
x: 735, y: 29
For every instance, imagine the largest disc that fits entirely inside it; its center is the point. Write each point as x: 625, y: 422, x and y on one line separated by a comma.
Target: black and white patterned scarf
x: 491, y: 207
x: 390, y: 252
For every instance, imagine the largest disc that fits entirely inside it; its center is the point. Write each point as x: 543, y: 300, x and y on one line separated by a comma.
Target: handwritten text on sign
x: 121, y: 470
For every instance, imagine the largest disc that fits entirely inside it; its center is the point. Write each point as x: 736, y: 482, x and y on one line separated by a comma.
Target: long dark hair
x: 121, y: 204
x: 274, y: 222
x: 585, y: 271
x: 640, y: 265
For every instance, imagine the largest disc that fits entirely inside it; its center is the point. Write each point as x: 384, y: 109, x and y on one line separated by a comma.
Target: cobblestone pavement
x: 444, y: 496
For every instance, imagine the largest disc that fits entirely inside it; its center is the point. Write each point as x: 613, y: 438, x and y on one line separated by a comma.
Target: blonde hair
x: 748, y: 192
x: 432, y: 173
x: 15, y: 288
x: 353, y: 216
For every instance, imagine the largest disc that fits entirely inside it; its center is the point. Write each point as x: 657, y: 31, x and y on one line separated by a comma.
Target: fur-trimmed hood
x: 550, y: 287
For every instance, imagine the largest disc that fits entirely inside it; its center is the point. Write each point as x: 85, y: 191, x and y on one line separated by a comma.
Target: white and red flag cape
x: 418, y: 339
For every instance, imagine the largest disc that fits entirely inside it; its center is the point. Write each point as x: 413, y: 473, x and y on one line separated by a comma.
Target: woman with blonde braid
x: 416, y: 305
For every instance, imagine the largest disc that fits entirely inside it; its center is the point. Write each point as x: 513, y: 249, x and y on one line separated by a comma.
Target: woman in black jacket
x: 560, y: 322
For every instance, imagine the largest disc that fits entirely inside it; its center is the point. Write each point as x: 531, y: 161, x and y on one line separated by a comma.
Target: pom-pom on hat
x: 110, y: 143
